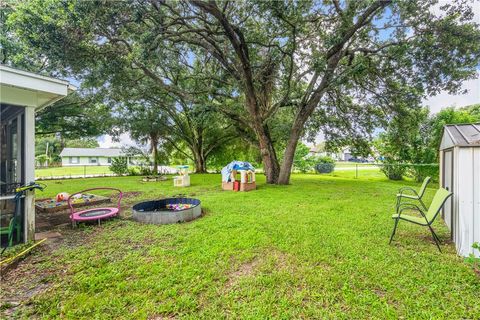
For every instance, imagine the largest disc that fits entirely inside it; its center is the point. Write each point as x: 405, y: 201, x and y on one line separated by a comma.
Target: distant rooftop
x: 92, y: 152
x: 464, y: 134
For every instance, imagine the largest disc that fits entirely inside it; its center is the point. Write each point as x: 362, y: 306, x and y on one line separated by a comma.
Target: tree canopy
x: 343, y: 67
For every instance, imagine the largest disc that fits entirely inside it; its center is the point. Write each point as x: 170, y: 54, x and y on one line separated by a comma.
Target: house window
x: 93, y: 160
x: 74, y: 160
x: 109, y: 160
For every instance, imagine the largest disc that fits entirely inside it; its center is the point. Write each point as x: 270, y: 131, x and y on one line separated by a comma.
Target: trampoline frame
x: 75, y: 216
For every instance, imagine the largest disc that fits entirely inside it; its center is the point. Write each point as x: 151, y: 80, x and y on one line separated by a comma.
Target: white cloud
x: 443, y: 100
x: 106, y: 141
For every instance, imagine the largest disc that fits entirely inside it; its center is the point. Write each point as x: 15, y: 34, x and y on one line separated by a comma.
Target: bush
x: 420, y: 172
x: 133, y: 171
x: 325, y: 165
x: 302, y: 161
x: 119, y: 166
x: 393, y: 171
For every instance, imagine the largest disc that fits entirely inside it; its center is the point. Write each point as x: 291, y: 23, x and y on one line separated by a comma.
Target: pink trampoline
x: 95, y: 213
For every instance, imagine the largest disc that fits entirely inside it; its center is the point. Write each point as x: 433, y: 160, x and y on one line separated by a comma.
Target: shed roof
x: 464, y: 135
x: 92, y: 152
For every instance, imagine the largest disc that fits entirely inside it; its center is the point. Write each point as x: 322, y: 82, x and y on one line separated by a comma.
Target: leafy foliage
x: 342, y: 67
x: 473, y: 260
x: 325, y: 164
x: 119, y: 166
x: 302, y: 161
x: 414, y: 138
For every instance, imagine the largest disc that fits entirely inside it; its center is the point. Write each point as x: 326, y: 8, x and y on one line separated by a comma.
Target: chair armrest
x: 407, y: 206
x: 402, y: 191
x: 411, y: 206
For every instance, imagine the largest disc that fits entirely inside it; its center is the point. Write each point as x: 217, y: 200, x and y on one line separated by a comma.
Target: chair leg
x: 435, y: 238
x: 394, y: 229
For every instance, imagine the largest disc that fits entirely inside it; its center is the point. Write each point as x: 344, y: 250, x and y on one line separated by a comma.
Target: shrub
x: 119, y: 166
x: 393, y: 170
x: 302, y: 161
x: 420, y: 172
x: 325, y: 165
x: 133, y: 171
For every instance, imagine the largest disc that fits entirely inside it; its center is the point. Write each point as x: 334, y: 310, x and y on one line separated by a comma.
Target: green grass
x: 317, y: 248
x: 71, y: 171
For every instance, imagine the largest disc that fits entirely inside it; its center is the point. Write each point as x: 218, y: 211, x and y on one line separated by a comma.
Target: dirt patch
x: 131, y: 194
x: 244, y: 270
x: 264, y: 262
x: 24, y: 281
x: 33, y: 274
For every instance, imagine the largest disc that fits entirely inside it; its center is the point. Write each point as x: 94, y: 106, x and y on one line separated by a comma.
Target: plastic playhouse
x: 183, y: 179
x: 247, y: 176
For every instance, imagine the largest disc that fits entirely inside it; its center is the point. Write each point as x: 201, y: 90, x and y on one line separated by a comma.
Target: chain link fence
x: 70, y: 172
x: 394, y: 171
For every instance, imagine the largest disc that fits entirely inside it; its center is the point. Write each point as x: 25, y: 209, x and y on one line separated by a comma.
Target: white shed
x: 460, y: 173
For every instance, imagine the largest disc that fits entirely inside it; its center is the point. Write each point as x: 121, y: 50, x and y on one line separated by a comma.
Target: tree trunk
x: 200, y: 165
x: 155, y: 154
x: 295, y: 134
x: 304, y: 112
x: 286, y: 169
x: 200, y: 162
x: 271, y: 166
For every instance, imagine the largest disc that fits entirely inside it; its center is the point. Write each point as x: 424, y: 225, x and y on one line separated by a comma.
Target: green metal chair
x: 427, y: 216
x: 417, y: 196
x: 13, y: 226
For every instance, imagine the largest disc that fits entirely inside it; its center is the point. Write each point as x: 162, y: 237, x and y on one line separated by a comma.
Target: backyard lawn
x: 317, y: 248
x: 71, y: 171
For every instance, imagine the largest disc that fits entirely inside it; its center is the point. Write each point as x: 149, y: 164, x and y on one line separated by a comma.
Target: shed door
x: 448, y: 184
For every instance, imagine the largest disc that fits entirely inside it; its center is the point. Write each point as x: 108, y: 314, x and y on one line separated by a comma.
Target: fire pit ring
x: 167, y: 211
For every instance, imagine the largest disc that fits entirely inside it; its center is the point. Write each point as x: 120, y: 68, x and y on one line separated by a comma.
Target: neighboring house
x: 92, y: 156
x: 21, y: 95
x: 345, y: 155
x: 319, y: 151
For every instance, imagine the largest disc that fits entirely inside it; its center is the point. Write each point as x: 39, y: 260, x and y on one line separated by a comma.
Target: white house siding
x: 85, y: 161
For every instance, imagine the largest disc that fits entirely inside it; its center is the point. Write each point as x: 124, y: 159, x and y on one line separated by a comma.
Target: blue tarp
x: 235, y: 165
